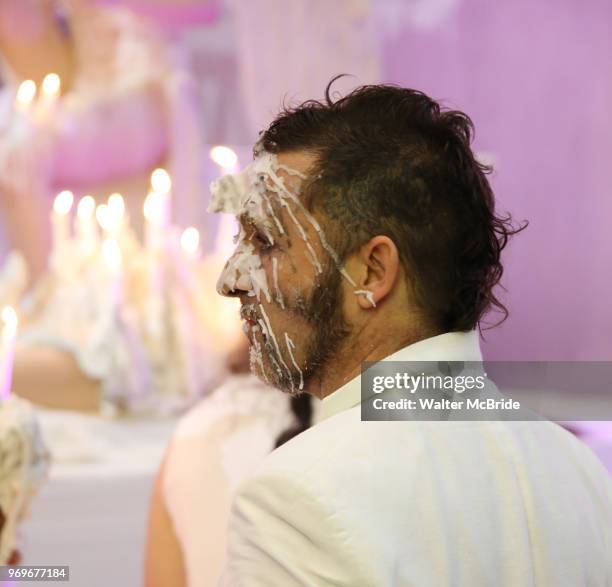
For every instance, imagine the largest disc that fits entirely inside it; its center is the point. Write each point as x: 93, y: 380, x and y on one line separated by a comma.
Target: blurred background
x: 144, y: 94
x: 534, y: 76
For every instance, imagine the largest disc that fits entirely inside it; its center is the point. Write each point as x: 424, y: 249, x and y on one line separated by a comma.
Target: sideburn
x: 324, y: 312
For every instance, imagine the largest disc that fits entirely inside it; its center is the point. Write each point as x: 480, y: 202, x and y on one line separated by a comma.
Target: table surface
x: 92, y: 512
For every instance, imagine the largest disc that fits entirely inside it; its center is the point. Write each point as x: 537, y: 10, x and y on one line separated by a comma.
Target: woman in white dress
x: 214, y: 447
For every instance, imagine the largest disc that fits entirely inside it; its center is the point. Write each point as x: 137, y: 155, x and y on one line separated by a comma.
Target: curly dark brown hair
x: 391, y: 161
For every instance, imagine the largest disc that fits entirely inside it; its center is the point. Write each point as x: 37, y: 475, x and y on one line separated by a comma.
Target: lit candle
x: 116, y: 205
x: 51, y: 85
x: 190, y: 243
x: 25, y: 95
x: 161, y: 181
x: 156, y: 211
x: 111, y: 253
x: 106, y: 220
x: 59, y: 220
x: 227, y: 226
x: 153, y: 210
x: 9, y: 320
x: 188, y: 269
x: 161, y: 184
x: 49, y: 96
x: 116, y: 209
x: 225, y: 158
x: 85, y: 225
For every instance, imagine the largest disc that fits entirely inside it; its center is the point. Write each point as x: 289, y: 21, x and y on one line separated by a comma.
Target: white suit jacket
x: 423, y: 504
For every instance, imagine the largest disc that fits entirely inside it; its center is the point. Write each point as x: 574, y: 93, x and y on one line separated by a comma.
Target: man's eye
x: 262, y: 241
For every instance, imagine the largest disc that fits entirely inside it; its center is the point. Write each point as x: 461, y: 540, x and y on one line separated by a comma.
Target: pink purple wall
x: 536, y: 77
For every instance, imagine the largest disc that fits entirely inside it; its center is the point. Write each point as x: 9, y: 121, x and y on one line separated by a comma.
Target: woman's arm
x: 163, y: 556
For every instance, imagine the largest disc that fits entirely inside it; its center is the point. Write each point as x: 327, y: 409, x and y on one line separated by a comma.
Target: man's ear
x: 378, y: 271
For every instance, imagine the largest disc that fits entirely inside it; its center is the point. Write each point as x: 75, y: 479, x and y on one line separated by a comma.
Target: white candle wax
x: 157, y: 208
x: 85, y: 226
x: 190, y: 243
x: 48, y: 98
x: 188, y: 265
x: 154, y: 222
x: 111, y: 253
x: 157, y: 224
x: 116, y: 207
x: 60, y: 221
x: 109, y: 220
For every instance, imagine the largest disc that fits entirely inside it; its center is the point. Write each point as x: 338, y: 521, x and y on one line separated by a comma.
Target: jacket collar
x: 451, y: 346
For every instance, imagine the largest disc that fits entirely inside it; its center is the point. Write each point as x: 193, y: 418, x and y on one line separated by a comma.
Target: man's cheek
x: 290, y: 290
x: 273, y: 268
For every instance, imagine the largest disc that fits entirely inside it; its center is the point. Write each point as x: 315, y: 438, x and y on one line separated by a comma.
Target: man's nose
x: 232, y: 283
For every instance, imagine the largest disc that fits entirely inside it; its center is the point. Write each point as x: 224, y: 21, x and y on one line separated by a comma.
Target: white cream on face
x: 248, y: 193
x: 253, y: 194
x: 290, y: 347
x: 228, y: 192
x: 279, y: 293
x: 244, y: 271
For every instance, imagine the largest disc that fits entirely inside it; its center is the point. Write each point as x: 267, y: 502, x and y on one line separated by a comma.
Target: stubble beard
x: 322, y: 310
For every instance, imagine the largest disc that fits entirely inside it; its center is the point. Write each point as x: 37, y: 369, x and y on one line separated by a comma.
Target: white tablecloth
x: 92, y: 512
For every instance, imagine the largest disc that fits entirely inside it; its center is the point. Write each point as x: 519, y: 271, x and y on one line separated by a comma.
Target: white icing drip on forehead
x: 247, y: 193
x: 324, y: 243
x: 229, y: 192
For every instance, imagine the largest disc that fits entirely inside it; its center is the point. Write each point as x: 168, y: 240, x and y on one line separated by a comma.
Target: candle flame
x: 224, y: 157
x: 51, y: 84
x: 116, y: 205
x: 26, y: 92
x: 86, y: 207
x: 190, y: 240
x: 161, y: 181
x: 63, y: 202
x: 9, y: 318
x: 111, y: 253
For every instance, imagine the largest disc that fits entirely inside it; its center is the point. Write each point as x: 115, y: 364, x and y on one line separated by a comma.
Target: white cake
x: 24, y: 462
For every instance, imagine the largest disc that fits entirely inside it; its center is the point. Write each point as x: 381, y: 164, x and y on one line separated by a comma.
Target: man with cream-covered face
x: 293, y: 285
x: 368, y: 231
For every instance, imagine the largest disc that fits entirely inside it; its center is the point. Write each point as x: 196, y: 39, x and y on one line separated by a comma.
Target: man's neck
x: 347, y: 363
